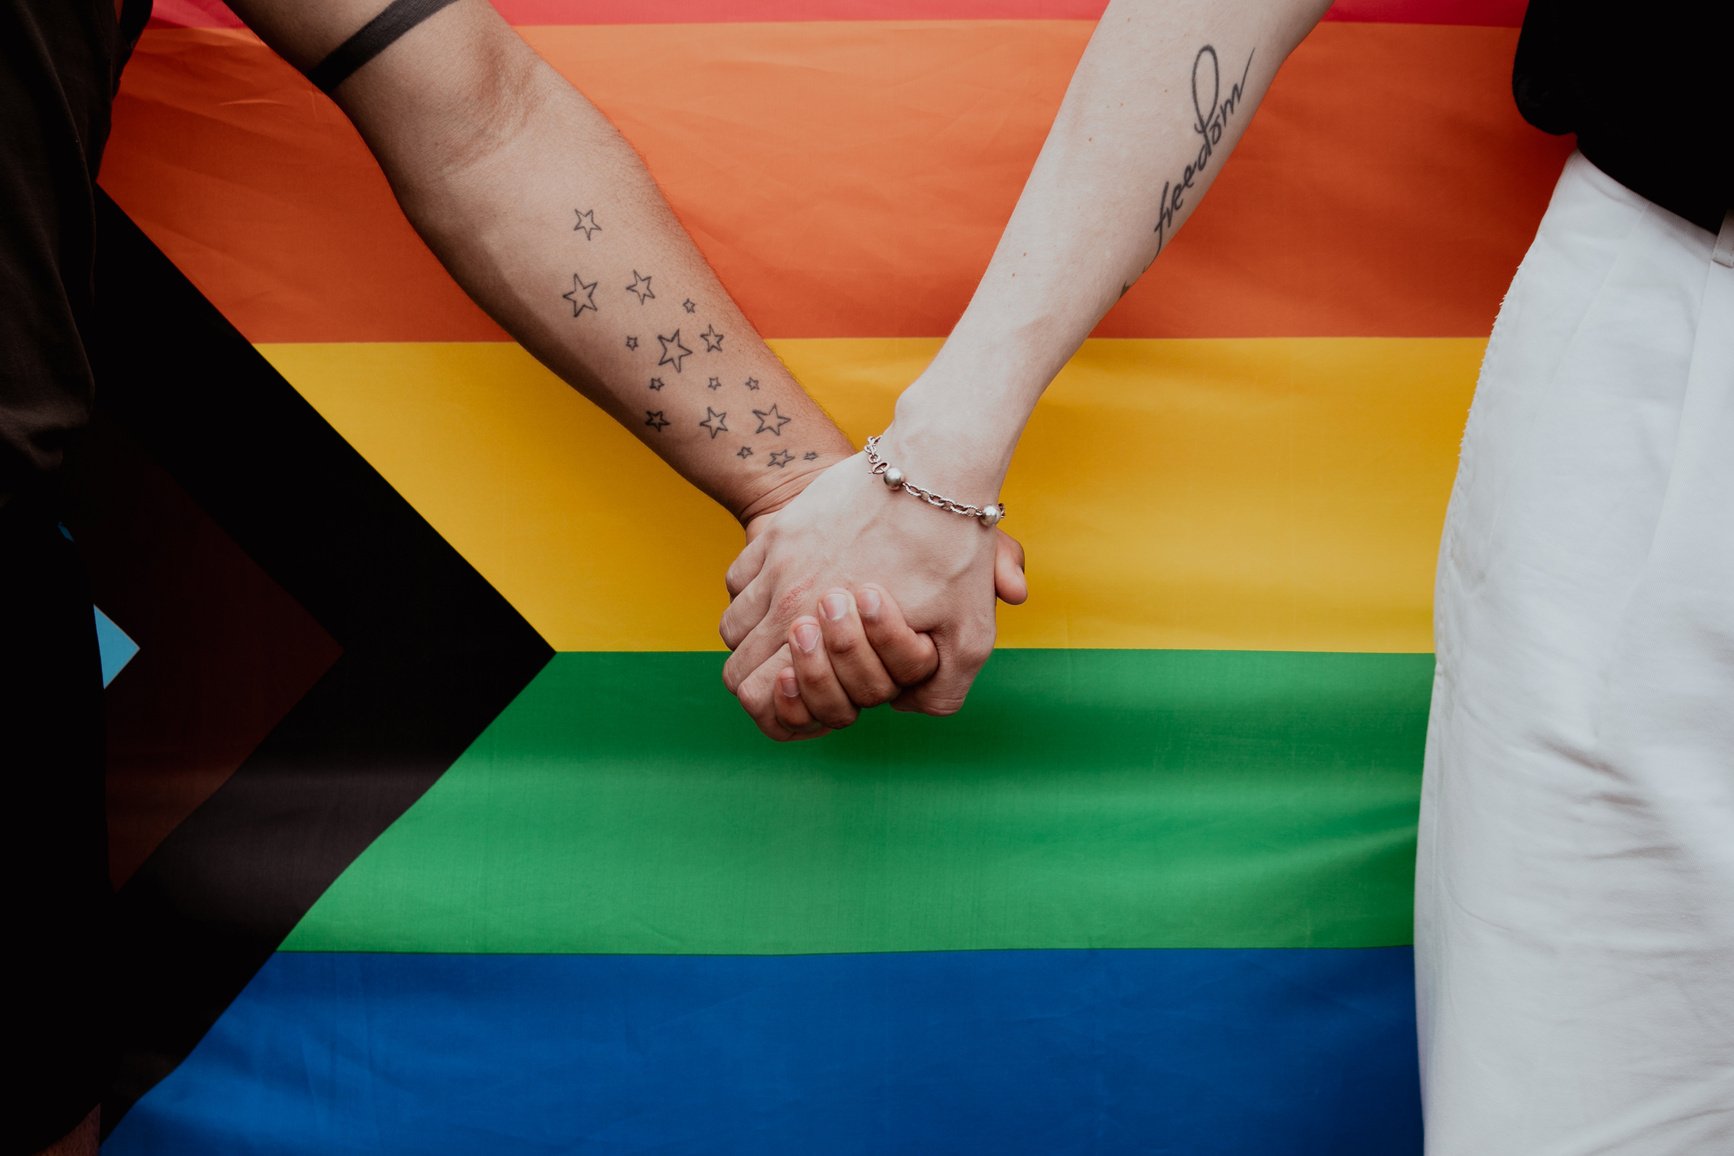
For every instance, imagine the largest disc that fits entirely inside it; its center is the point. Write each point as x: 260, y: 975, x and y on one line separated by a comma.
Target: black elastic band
x: 374, y: 37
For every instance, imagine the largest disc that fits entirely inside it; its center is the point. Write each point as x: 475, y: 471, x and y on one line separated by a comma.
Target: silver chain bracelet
x: 989, y: 516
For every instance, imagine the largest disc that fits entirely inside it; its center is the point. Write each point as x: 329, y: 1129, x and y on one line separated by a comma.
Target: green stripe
x: 1084, y: 798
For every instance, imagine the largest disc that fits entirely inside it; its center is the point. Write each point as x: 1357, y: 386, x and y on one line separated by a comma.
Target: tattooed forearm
x: 1212, y: 111
x: 670, y: 429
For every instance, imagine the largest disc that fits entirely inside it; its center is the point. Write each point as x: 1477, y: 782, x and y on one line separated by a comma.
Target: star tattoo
x: 712, y: 339
x: 689, y: 305
x: 714, y: 422
x: 586, y: 223
x: 656, y: 383
x: 654, y: 419
x: 632, y: 343
x: 673, y: 350
x: 753, y: 384
x: 770, y: 421
x: 780, y: 458
x: 744, y: 452
x: 581, y: 290
x: 641, y: 286
x: 714, y: 383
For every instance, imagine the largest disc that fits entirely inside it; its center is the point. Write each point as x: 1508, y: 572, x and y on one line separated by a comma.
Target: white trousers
x: 1574, y: 923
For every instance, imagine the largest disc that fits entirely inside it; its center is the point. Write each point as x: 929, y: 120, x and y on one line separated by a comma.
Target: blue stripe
x: 1187, y: 1052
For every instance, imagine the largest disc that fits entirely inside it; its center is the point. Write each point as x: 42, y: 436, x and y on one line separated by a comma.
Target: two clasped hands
x: 851, y: 594
x: 856, y: 594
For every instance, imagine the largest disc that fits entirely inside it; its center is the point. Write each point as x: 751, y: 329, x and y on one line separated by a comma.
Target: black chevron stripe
x: 431, y: 655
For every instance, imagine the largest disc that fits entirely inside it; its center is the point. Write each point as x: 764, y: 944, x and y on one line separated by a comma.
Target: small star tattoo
x: 770, y: 421
x: 714, y: 383
x: 744, y: 452
x: 712, y: 339
x: 654, y: 419
x: 641, y: 286
x: 689, y: 305
x: 580, y: 289
x: 632, y: 343
x: 810, y: 456
x: 673, y: 350
x: 780, y: 458
x: 656, y: 383
x: 586, y: 223
x: 753, y: 384
x: 714, y: 422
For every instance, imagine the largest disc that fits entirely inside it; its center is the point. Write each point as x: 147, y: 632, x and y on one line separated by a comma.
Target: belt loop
x: 1724, y: 252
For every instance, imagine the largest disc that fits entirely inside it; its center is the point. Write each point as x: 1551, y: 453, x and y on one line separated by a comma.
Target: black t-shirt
x: 59, y: 63
x: 1647, y: 89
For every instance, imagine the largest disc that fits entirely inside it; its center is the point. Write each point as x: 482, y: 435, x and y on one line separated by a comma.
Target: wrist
x: 781, y: 489
x: 933, y: 452
x: 944, y: 437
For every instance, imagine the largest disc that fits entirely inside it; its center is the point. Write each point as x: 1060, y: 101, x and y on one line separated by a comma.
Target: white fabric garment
x: 1574, y: 933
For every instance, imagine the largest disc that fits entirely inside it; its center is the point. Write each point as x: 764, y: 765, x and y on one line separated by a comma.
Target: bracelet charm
x: 989, y: 516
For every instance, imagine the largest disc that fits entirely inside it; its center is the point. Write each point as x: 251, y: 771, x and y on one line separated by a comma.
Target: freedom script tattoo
x: 1212, y: 119
x: 1212, y: 112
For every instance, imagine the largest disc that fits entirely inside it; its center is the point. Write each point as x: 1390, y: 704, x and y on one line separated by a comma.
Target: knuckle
x: 836, y: 718
x: 877, y: 693
x: 974, y: 655
x: 911, y: 664
x: 793, y: 600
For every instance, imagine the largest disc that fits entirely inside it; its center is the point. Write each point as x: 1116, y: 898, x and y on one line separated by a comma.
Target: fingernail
x: 835, y: 604
x: 868, y: 601
x: 807, y: 637
x: 787, y: 686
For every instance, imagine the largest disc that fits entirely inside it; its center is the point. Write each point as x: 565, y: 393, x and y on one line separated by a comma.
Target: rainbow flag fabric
x: 434, y: 830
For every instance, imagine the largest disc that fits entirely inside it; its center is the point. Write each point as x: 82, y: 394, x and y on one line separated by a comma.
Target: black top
x: 59, y: 63
x: 1647, y: 89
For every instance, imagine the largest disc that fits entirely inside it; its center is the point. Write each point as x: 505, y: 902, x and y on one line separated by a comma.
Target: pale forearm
x: 1161, y: 96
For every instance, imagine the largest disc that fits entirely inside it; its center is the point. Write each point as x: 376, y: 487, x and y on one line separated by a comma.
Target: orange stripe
x: 851, y: 179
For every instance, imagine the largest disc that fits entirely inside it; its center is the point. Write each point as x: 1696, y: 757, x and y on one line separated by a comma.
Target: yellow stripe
x: 1274, y: 494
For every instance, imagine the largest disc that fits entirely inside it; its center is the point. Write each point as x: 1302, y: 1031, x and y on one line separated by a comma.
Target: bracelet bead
x: 989, y: 516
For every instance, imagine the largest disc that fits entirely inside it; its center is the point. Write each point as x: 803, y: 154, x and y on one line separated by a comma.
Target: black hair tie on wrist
x: 373, y: 38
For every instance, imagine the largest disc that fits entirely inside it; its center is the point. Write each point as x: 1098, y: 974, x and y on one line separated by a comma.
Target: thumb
x: 1009, y: 580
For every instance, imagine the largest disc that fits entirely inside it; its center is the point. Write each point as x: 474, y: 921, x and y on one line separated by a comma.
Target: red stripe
x: 1492, y: 13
